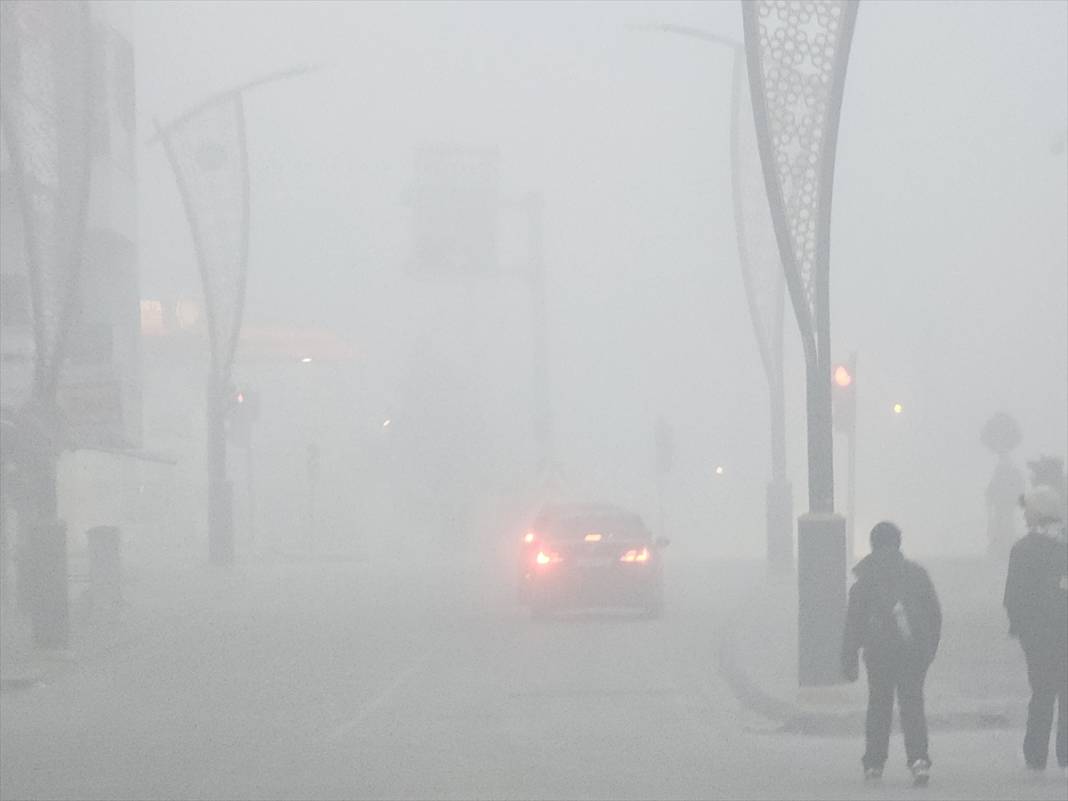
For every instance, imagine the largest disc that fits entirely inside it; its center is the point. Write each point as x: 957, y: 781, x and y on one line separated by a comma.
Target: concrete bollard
x: 821, y: 601
x: 47, y: 570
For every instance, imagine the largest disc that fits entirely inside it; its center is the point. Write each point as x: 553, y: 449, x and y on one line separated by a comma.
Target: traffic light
x: 243, y: 411
x: 844, y: 396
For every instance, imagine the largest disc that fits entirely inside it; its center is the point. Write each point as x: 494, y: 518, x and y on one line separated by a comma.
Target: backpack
x: 890, y: 617
x: 901, y: 621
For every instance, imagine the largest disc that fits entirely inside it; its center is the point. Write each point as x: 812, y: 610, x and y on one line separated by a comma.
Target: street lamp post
x: 762, y: 274
x: 206, y: 149
x: 797, y: 55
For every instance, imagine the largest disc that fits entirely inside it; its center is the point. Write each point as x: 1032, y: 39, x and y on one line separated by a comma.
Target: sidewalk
x: 978, y: 680
x: 174, y: 591
x: 95, y: 633
x: 22, y: 666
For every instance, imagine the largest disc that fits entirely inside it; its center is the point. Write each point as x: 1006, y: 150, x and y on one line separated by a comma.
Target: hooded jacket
x: 1036, y: 589
x: 885, y: 577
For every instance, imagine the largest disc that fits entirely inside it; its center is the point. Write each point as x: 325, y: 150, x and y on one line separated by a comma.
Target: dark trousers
x: 1047, y: 670
x: 884, y: 678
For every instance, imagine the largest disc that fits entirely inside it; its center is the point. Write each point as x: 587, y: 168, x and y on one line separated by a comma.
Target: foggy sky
x: 948, y: 258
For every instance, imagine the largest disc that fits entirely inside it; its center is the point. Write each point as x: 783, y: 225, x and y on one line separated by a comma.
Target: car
x: 590, y: 555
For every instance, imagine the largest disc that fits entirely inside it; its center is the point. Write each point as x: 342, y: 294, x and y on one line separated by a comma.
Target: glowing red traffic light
x: 842, y: 377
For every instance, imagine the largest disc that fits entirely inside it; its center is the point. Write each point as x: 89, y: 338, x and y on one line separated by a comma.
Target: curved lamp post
x: 797, y: 54
x: 762, y: 274
x: 206, y: 149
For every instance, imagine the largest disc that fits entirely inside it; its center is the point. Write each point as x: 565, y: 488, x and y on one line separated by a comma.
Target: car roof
x: 571, y: 509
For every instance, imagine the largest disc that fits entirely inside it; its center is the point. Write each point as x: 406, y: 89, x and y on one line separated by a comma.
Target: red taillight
x: 636, y: 555
x: 546, y: 558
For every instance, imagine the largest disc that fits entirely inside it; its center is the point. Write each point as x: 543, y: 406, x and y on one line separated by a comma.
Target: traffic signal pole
x: 844, y: 402
x: 851, y: 491
x: 220, y: 490
x: 250, y: 490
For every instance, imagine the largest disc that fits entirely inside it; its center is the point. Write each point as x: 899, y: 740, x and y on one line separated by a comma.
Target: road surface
x: 347, y: 680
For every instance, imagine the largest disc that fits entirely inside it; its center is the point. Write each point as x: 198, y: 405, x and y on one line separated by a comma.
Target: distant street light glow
x: 898, y: 408
x: 842, y: 376
x: 306, y: 360
x: 386, y: 423
x: 719, y: 470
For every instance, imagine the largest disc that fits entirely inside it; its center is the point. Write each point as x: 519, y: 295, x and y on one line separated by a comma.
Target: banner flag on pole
x: 206, y: 148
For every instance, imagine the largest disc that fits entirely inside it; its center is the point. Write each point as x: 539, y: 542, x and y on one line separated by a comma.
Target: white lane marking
x: 379, y: 700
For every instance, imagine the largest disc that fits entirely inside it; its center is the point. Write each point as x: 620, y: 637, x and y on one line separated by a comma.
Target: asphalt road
x: 314, y: 680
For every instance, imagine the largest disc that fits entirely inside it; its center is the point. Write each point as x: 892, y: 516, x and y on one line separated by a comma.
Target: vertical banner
x: 206, y: 148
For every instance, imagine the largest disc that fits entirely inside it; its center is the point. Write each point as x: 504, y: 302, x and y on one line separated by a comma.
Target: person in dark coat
x: 895, y: 617
x: 1036, y: 598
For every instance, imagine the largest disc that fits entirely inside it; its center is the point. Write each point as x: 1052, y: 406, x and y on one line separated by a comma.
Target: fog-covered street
x: 353, y: 680
x: 509, y: 399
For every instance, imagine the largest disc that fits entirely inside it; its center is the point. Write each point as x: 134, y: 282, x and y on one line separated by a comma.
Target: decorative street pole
x: 762, y: 274
x: 797, y: 54
x: 46, y: 109
x: 206, y: 149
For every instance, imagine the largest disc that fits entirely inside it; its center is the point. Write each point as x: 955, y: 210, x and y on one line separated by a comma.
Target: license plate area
x: 594, y: 562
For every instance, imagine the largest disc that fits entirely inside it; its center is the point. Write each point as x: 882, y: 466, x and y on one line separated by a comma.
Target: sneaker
x: 921, y: 772
x: 873, y: 774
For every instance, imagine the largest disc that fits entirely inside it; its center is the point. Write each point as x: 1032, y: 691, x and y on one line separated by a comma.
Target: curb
x: 793, y: 718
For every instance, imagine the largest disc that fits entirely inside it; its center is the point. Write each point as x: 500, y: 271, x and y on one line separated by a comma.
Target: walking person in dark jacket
x: 1036, y: 598
x: 895, y: 617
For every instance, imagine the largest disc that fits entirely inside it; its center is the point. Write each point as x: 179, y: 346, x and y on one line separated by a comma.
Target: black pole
x: 539, y: 319
x: 779, y: 502
x: 250, y: 488
x: 851, y: 489
x: 46, y: 557
x: 220, y: 492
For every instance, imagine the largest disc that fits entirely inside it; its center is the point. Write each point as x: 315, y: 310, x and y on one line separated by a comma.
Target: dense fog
x: 947, y: 257
x: 494, y: 288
